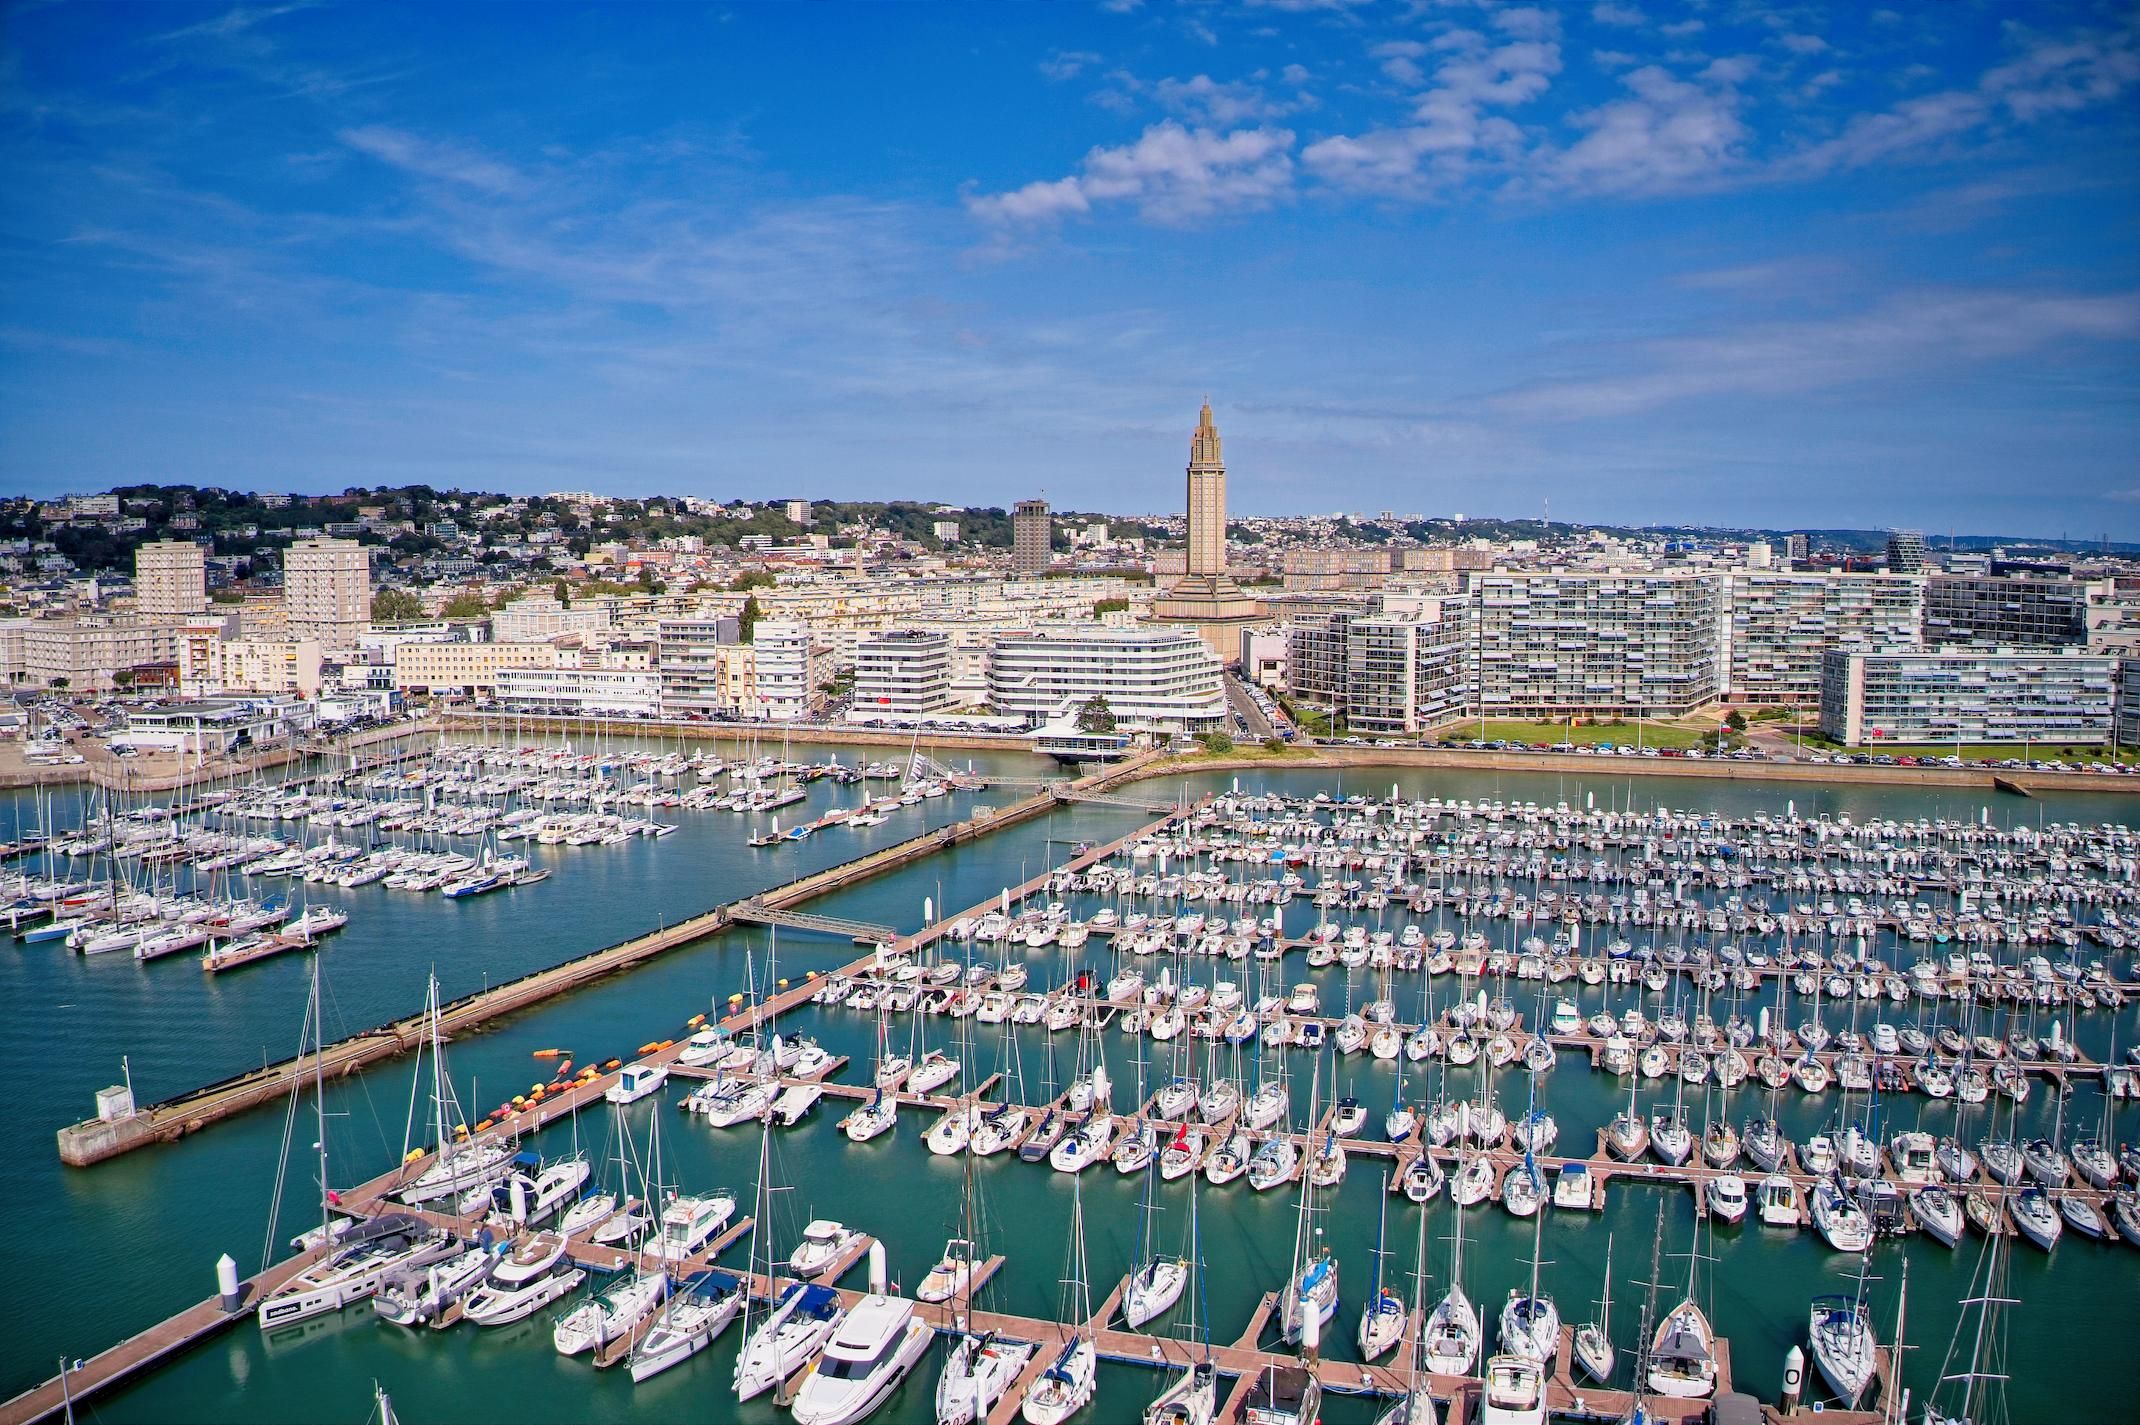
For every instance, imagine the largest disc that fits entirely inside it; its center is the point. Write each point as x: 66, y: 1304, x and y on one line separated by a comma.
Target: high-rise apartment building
x: 1384, y: 672
x: 1777, y: 625
x: 902, y: 673
x: 1906, y: 552
x: 327, y: 588
x: 170, y: 579
x: 1796, y: 548
x: 792, y: 668
x: 2025, y: 611
x: 1560, y: 643
x: 1965, y: 696
x: 1032, y: 537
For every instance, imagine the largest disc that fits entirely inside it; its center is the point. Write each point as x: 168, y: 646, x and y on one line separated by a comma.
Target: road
x: 1244, y: 708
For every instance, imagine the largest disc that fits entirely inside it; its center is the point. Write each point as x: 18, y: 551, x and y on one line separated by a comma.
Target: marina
x: 1085, y: 884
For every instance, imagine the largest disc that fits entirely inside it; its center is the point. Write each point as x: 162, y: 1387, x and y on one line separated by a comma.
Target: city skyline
x: 1649, y: 264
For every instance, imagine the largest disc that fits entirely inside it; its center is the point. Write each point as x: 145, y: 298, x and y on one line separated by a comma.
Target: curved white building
x: 1154, y: 679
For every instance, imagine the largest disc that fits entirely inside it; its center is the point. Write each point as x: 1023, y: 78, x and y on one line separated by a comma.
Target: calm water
x: 135, y: 1239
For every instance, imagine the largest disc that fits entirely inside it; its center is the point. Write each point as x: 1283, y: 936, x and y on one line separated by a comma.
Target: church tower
x: 1206, y: 596
x: 1207, y: 499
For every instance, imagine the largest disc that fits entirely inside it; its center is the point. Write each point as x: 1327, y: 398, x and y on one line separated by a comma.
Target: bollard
x: 877, y: 1274
x: 1311, y: 1329
x: 1794, y: 1379
x: 227, y: 1289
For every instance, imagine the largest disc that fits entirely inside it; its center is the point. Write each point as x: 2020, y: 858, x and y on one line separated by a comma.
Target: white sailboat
x: 1067, y: 1385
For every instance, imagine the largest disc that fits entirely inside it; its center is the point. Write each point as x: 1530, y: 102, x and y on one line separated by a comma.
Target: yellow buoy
x: 414, y: 1154
x: 696, y: 1020
x: 735, y: 999
x: 783, y: 984
x: 520, y: 1100
x: 809, y: 974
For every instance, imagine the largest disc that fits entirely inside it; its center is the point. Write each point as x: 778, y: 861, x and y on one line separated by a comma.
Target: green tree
x: 1217, y: 742
x: 396, y: 606
x: 59, y: 685
x: 1109, y: 606
x: 467, y: 605
x: 747, y: 619
x: 1274, y: 744
x: 1096, y: 716
x: 751, y: 579
x: 1735, y: 720
x: 122, y: 678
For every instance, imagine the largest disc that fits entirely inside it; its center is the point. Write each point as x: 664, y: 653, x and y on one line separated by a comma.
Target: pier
x: 96, y: 1139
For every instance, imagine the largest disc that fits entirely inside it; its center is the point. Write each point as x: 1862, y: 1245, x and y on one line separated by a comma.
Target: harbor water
x: 97, y: 1254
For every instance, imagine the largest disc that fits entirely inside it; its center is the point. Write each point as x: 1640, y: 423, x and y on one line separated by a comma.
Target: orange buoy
x: 695, y: 1020
x: 550, y: 1053
x: 563, y: 1069
x: 613, y: 1063
x: 809, y: 974
x: 649, y: 1047
x: 664, y: 1044
x: 484, y: 1126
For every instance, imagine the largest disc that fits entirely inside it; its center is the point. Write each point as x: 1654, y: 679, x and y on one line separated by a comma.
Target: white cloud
x: 1802, y: 44
x: 1666, y: 134
x: 1527, y: 22
x: 1171, y: 174
x: 1683, y: 28
x: 1607, y: 13
x: 1400, y: 61
x: 1066, y: 64
x: 2060, y: 76
x: 1453, y: 124
x: 1219, y: 104
x: 1913, y: 333
x: 428, y: 159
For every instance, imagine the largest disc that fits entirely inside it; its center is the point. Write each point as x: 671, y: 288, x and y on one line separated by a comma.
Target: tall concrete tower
x: 1206, y: 597
x: 1207, y: 499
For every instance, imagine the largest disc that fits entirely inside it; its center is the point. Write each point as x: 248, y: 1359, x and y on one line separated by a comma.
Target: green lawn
x: 1649, y: 734
x: 1983, y: 751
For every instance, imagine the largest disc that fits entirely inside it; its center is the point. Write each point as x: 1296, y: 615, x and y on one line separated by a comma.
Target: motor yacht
x: 872, y: 1350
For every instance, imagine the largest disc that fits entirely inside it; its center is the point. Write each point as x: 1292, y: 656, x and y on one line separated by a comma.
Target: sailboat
x: 1313, y: 1285
x: 1530, y: 1323
x: 1452, y: 1328
x: 1193, y: 1398
x: 361, y: 1258
x: 1416, y: 1405
x: 1682, y: 1356
x: 981, y: 1365
x: 1841, y: 1333
x: 1976, y: 1391
x: 1067, y: 1385
x: 1158, y: 1282
x: 617, y: 1311
x: 464, y: 1160
x: 1593, y: 1349
x: 1382, y: 1323
x: 802, y: 1317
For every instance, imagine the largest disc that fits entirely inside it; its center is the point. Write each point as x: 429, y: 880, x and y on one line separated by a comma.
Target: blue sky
x: 1792, y: 265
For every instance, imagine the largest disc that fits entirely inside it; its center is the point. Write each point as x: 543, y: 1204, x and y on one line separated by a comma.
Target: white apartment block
x: 1967, y: 696
x: 87, y: 653
x: 170, y: 579
x: 1558, y: 643
x: 463, y: 669
x: 582, y: 692
x: 535, y: 618
x: 903, y: 673
x: 257, y: 666
x: 703, y: 670
x: 1778, y: 624
x: 1403, y: 672
x: 327, y: 587
x: 792, y: 670
x: 1154, y: 679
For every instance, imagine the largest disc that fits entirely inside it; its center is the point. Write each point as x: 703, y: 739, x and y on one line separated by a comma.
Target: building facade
x: 1987, y: 611
x: 1966, y: 696
x: 327, y: 587
x: 705, y: 671
x: 582, y: 692
x: 1558, y: 644
x: 170, y: 579
x: 463, y: 669
x: 792, y: 669
x: 1153, y: 679
x: 1032, y: 537
x: 1777, y: 624
x: 903, y: 673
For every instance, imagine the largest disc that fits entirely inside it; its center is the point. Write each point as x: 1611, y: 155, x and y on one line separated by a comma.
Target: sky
x: 1627, y: 262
